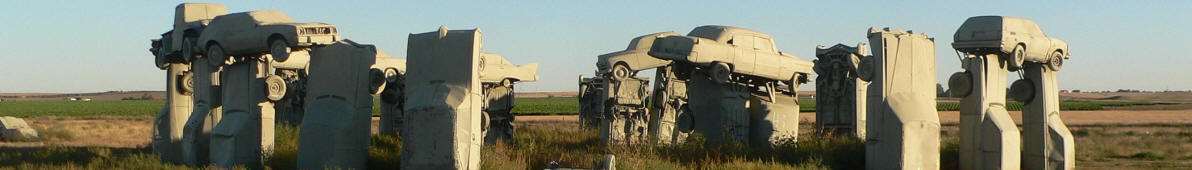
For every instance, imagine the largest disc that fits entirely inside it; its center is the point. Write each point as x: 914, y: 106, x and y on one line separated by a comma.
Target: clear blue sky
x: 90, y: 46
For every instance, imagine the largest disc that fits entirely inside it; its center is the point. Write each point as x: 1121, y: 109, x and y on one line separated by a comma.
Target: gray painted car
x: 726, y: 49
x: 625, y: 63
x: 1019, y: 39
x: 262, y: 32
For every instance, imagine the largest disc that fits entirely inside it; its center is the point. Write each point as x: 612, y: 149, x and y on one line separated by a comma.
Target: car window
x: 764, y: 44
x: 743, y: 41
x: 1033, y: 28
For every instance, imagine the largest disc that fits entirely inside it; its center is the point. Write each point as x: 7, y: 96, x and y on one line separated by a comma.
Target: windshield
x: 270, y: 16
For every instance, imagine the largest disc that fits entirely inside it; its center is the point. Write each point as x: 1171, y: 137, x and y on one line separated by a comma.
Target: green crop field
x: 81, y: 108
x: 524, y: 106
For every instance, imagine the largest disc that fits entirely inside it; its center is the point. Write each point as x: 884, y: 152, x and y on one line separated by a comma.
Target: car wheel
x: 1022, y: 90
x: 1056, y: 61
x: 186, y: 83
x: 279, y: 49
x: 961, y: 84
x: 216, y: 55
x: 1017, y: 58
x: 865, y: 69
x: 793, y: 85
x: 720, y: 73
x: 188, y: 49
x: 620, y: 71
x: 159, y: 61
x: 276, y: 87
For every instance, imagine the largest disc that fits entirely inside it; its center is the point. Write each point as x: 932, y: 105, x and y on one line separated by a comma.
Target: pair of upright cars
x: 732, y: 53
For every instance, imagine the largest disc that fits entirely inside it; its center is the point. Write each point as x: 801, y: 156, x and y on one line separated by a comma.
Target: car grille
x: 318, y: 30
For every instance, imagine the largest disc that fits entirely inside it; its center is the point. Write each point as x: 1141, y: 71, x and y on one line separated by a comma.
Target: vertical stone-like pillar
x: 443, y: 111
x: 719, y: 110
x: 208, y: 109
x: 670, y: 95
x: 167, y: 139
x: 499, y: 113
x: 624, y: 121
x: 903, y: 126
x: 773, y: 122
x: 244, y: 135
x: 839, y: 94
x: 336, y: 128
x: 392, y: 104
x: 989, y: 139
x: 591, y: 101
x: 1046, y: 141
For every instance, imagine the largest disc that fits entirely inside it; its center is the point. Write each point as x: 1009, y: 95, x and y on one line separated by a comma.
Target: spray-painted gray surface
x: 903, y: 126
x: 989, y: 139
x: 196, y: 135
x: 244, y: 135
x: 625, y: 119
x: 167, y: 126
x: 591, y: 101
x: 1046, y: 141
x: 773, y: 120
x: 335, y: 131
x: 719, y: 110
x: 839, y: 93
x: 12, y: 129
x: 443, y: 113
x: 670, y: 96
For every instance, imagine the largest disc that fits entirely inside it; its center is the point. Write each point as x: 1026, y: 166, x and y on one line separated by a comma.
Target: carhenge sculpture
x: 497, y: 77
x: 839, y: 91
x: 715, y: 81
x: 903, y: 126
x: 991, y: 46
x: 444, y: 107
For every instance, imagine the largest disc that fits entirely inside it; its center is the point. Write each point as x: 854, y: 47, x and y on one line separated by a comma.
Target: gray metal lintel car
x: 726, y: 49
x: 625, y: 63
x: 1019, y: 39
x: 262, y: 32
x: 178, y: 44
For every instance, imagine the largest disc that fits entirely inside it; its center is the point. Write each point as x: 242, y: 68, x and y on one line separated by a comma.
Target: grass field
x: 538, y: 144
x: 524, y: 106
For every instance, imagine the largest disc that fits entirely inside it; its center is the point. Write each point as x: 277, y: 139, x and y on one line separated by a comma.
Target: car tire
x: 1017, y: 58
x: 275, y: 88
x: 720, y: 73
x: 186, y: 83
x: 1056, y: 61
x: 279, y: 49
x: 159, y: 61
x: 1022, y: 90
x: 621, y: 71
x: 793, y: 85
x: 188, y: 49
x: 216, y: 55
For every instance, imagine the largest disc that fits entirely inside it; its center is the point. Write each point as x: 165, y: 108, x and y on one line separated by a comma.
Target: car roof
x: 722, y: 33
x: 265, y: 16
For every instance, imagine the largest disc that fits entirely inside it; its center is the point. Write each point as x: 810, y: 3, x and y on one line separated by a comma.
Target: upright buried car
x: 260, y: 32
x: 1019, y: 39
x: 178, y: 44
x: 626, y: 63
x: 727, y: 50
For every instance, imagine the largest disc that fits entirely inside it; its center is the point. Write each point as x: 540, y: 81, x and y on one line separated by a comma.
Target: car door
x: 240, y: 34
x: 766, y: 58
x: 743, y: 62
x: 1038, y: 44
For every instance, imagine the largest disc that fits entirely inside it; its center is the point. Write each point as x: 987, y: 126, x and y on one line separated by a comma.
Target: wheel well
x: 274, y: 37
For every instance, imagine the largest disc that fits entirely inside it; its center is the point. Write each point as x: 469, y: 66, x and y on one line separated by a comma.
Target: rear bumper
x: 308, y: 40
x: 972, y: 46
